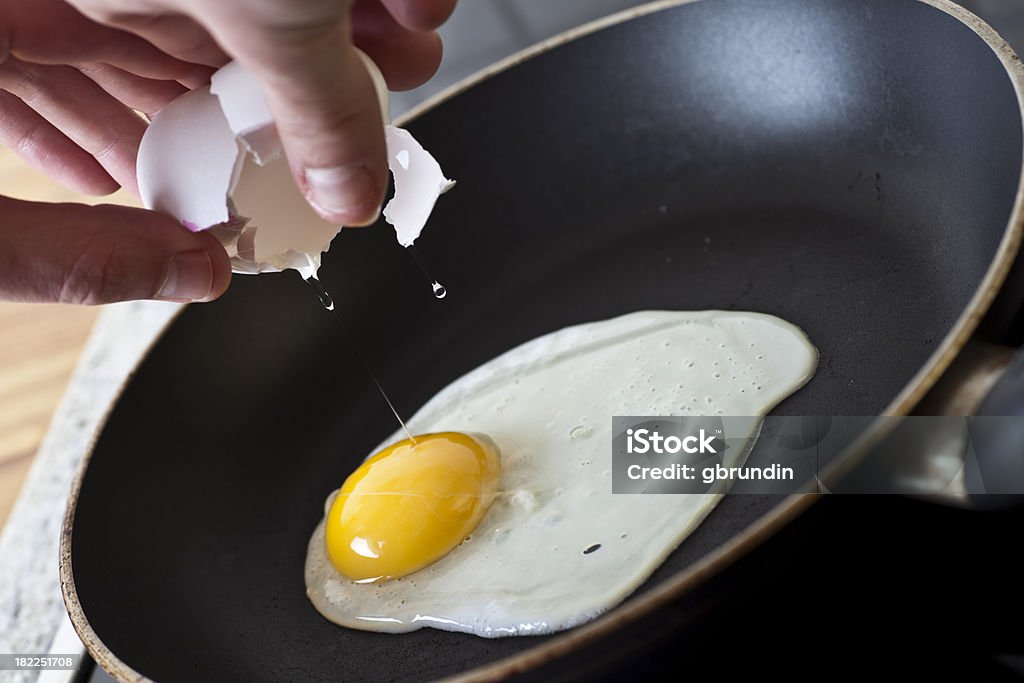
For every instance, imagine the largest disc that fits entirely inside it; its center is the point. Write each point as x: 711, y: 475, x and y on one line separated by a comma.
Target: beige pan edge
x: 742, y: 543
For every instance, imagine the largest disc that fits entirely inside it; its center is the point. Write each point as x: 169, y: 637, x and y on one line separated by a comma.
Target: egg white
x: 548, y: 404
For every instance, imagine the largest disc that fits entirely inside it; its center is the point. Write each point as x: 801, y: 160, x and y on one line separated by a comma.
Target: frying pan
x: 853, y: 166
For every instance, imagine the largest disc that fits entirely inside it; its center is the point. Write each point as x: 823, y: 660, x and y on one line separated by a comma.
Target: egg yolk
x: 410, y: 504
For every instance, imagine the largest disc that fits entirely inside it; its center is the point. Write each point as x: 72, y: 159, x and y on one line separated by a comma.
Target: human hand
x: 70, y: 84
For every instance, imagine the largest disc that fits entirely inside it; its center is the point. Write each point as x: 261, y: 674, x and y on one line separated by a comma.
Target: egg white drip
x: 548, y: 404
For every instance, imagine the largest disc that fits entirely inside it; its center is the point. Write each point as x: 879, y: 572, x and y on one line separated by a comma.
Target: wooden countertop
x: 39, y: 346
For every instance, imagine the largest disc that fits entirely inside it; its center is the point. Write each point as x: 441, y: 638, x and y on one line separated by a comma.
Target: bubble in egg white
x: 580, y: 432
x: 524, y: 569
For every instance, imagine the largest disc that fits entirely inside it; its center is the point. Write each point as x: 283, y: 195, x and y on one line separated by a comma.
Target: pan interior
x: 849, y: 166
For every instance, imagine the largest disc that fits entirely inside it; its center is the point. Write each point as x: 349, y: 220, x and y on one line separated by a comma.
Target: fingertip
x: 408, y: 65
x: 78, y: 171
x: 420, y: 15
x: 221, y: 267
x: 194, y: 276
x: 407, y: 58
x: 365, y: 222
x: 431, y: 52
x: 41, y: 145
x: 91, y: 184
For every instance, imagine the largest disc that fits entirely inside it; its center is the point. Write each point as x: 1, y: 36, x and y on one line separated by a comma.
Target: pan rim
x: 740, y: 544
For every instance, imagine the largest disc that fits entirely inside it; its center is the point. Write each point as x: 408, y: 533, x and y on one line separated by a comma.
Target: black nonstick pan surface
x: 848, y: 165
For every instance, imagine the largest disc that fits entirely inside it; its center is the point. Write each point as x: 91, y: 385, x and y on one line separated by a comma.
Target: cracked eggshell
x: 212, y: 158
x: 202, y: 167
x: 418, y: 183
x: 246, y: 110
x: 248, y: 114
x: 189, y: 182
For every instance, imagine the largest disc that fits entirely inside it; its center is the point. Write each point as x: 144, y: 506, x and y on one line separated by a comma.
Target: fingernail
x: 343, y: 193
x: 189, y: 278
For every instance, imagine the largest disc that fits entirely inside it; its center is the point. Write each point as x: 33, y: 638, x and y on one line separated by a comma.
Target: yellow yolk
x: 409, y: 505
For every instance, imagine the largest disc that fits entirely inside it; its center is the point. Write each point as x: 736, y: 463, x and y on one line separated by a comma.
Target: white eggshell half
x: 189, y: 181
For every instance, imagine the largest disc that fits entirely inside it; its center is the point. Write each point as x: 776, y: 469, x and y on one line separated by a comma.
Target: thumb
x: 325, y: 107
x: 101, y: 254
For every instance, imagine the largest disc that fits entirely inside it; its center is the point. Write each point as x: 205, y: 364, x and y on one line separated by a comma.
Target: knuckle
x: 113, y: 149
x: 328, y: 120
x: 332, y: 136
x: 18, y: 78
x: 194, y: 49
x: 95, y: 276
x: 10, y: 73
x: 29, y: 144
x: 304, y: 18
x: 280, y: 42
